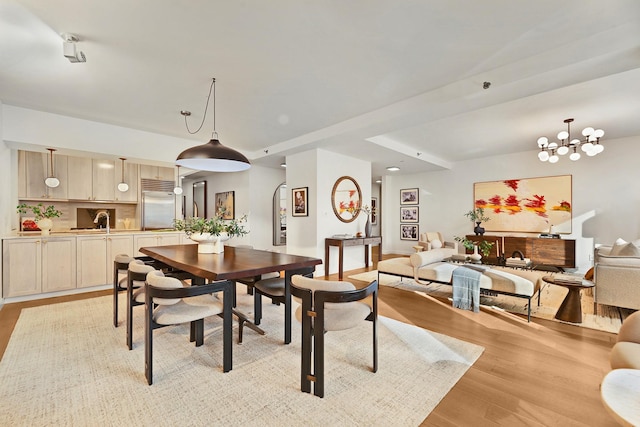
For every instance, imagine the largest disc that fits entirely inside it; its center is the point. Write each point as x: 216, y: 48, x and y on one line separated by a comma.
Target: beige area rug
x: 66, y: 364
x: 551, y: 297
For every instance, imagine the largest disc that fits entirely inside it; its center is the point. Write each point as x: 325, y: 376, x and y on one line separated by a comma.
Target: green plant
x: 477, y: 215
x: 39, y: 211
x: 214, y: 226
x: 483, y: 246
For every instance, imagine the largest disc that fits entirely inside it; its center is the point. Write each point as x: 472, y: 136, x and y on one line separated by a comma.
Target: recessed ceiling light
x: 283, y: 165
x: 393, y: 168
x: 378, y: 181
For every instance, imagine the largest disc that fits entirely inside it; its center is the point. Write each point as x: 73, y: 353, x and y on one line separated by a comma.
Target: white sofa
x: 616, y: 274
x: 428, y: 266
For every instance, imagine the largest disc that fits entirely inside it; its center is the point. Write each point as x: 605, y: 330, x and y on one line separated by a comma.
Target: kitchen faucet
x: 101, y: 214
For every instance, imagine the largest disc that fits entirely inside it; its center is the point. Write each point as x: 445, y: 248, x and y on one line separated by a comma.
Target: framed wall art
x: 409, y: 196
x: 226, y: 204
x: 409, y: 214
x: 409, y: 232
x: 534, y: 205
x: 300, y: 201
x: 374, y: 211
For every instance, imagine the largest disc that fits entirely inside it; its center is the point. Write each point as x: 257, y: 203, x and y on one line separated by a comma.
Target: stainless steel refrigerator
x: 158, y: 210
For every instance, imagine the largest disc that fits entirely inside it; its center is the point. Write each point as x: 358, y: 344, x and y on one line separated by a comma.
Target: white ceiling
x: 391, y: 81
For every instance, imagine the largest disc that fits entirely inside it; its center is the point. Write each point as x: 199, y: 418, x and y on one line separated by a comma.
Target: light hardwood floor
x: 542, y: 373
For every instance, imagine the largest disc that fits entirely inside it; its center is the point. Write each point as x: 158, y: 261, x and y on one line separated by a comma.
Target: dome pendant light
x: 212, y: 156
x: 51, y: 181
x: 123, y: 186
x: 178, y: 188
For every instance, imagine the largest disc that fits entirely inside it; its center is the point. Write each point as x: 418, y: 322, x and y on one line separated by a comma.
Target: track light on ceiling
x: 51, y: 181
x: 123, y: 186
x: 69, y: 48
x: 590, y: 145
x: 212, y: 156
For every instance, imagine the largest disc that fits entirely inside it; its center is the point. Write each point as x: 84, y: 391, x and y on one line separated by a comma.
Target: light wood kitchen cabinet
x: 91, y: 260
x: 131, y: 178
x: 34, y: 168
x: 38, y: 265
x: 157, y: 239
x: 157, y: 172
x: 117, y: 244
x: 80, y: 178
x: 95, y: 257
x: 103, y: 179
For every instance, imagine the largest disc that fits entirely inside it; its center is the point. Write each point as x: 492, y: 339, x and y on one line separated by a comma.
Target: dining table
x: 235, y: 263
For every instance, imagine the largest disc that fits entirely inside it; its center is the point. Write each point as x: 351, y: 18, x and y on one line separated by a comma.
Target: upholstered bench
x: 427, y: 267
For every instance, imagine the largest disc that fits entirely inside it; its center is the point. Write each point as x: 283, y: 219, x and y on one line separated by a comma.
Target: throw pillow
x: 589, y: 274
x: 617, y: 247
x: 435, y: 244
x: 626, y: 250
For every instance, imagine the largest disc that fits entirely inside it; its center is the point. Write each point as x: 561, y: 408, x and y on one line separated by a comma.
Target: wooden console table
x: 560, y: 253
x: 354, y: 241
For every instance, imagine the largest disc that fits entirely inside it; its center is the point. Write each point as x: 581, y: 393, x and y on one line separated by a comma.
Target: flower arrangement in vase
x: 211, y: 233
x: 477, y: 216
x: 483, y: 246
x: 42, y: 215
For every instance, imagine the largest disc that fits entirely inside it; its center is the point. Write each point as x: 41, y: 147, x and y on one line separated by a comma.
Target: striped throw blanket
x: 466, y: 288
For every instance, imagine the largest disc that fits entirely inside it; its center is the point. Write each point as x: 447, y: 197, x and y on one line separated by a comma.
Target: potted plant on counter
x: 42, y: 215
x: 211, y: 233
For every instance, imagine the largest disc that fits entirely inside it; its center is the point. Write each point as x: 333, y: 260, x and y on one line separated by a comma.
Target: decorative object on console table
x: 477, y: 215
x: 526, y: 205
x: 480, y: 245
x: 42, y: 215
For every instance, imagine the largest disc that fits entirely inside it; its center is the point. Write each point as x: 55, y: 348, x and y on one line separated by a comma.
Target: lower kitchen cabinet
x: 38, y: 265
x: 156, y: 239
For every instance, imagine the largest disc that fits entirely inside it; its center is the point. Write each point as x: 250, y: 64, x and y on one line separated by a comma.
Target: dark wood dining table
x: 235, y: 263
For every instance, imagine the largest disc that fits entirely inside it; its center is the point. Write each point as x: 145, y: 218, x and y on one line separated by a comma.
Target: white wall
x: 605, y: 198
x: 319, y: 170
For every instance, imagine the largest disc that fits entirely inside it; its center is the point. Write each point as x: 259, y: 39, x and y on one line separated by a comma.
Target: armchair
x: 433, y: 240
x: 617, y: 275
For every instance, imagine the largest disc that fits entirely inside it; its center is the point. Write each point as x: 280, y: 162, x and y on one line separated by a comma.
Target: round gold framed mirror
x: 346, y: 199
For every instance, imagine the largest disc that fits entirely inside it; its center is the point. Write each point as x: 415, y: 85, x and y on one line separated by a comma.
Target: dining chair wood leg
x: 257, y: 308
x: 318, y: 353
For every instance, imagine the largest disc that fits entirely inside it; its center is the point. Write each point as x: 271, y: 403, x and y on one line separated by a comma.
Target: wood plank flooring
x: 543, y: 373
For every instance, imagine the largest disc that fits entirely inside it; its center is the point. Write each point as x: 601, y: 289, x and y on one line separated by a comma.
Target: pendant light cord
x: 212, y: 87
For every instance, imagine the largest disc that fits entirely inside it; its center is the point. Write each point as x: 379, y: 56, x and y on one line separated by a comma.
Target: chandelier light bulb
x: 563, y: 135
x: 575, y: 155
x: 575, y: 142
x: 586, y: 147
x: 598, y: 148
x: 591, y: 153
x: 543, y: 156
x: 543, y: 141
x: 598, y: 133
x: 553, y: 158
x: 553, y: 146
x: 587, y: 131
x: 563, y: 150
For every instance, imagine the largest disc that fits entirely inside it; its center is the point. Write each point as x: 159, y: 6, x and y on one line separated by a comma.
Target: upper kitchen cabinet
x: 157, y: 172
x: 80, y: 178
x: 91, y: 179
x: 104, y: 179
x: 131, y: 178
x: 34, y: 168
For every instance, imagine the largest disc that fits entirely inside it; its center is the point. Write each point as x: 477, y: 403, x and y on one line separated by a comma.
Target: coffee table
x: 571, y: 308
